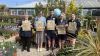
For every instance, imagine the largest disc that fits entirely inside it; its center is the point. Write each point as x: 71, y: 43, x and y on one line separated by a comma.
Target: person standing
x: 26, y: 33
x: 51, y: 30
x: 61, y: 30
x: 73, y: 29
x: 40, y: 23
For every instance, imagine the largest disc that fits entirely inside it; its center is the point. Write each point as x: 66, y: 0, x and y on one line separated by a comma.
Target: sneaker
x: 22, y: 49
x: 41, y: 49
x: 47, y: 49
x: 28, y: 50
x: 38, y: 49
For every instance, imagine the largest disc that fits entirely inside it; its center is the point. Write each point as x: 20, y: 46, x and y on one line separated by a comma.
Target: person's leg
x: 53, y: 39
x: 38, y: 41
x: 53, y: 42
x: 28, y: 43
x: 59, y: 36
x: 23, y: 43
x: 73, y: 41
x: 49, y: 42
x: 42, y: 38
x: 63, y: 40
x: 60, y: 43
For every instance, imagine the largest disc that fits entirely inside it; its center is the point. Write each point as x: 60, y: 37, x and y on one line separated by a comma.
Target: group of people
x: 52, y: 27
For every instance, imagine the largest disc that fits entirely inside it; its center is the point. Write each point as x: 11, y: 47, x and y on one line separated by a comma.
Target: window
x: 30, y: 11
x: 14, y: 12
x: 21, y: 12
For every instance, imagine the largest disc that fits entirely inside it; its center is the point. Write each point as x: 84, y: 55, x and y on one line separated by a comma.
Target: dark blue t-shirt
x: 78, y: 24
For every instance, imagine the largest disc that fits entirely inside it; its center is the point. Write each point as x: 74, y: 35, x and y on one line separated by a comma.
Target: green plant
x: 6, y: 32
x: 91, y: 45
x: 8, y: 48
x: 72, y: 8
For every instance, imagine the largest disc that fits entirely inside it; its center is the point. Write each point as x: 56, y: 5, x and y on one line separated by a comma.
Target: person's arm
x: 44, y: 21
x: 78, y: 25
x: 34, y: 24
x: 66, y: 23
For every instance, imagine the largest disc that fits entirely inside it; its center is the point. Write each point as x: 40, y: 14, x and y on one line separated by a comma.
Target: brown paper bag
x: 61, y: 29
x: 39, y: 26
x: 26, y: 25
x: 50, y: 25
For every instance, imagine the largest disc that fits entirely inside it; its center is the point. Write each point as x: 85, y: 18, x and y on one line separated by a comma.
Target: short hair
x: 51, y: 10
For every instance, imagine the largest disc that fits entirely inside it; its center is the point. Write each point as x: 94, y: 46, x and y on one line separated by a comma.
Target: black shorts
x: 62, y: 37
x: 51, y: 34
x: 71, y: 35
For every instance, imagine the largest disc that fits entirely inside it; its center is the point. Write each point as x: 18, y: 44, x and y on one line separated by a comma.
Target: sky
x: 11, y: 3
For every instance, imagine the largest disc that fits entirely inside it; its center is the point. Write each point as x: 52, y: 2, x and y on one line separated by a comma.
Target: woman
x: 73, y: 29
x: 40, y: 23
x: 26, y: 33
x: 61, y: 29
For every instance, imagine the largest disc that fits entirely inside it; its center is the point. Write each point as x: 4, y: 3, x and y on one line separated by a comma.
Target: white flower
x: 5, y: 52
x: 2, y: 44
x: 13, y: 46
x: 3, y: 48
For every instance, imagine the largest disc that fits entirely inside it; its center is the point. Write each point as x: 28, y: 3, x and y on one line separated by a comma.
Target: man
x: 73, y: 29
x: 40, y: 23
x: 51, y: 32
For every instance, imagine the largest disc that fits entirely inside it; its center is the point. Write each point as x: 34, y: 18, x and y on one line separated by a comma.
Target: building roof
x: 86, y: 3
x: 89, y: 3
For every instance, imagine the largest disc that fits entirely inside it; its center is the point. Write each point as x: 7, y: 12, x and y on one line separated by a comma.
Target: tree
x: 72, y: 8
x: 2, y: 7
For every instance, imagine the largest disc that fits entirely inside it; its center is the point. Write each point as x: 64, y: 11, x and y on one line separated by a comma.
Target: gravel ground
x: 33, y: 52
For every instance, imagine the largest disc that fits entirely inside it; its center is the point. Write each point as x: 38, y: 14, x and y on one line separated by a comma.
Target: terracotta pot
x: 14, y: 54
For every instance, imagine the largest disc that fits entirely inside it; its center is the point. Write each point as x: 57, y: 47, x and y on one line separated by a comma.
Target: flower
x: 3, y: 48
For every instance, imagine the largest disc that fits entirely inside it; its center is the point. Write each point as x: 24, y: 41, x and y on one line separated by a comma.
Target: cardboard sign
x: 39, y: 26
x: 72, y: 26
x: 26, y: 25
x: 50, y: 25
x: 61, y: 29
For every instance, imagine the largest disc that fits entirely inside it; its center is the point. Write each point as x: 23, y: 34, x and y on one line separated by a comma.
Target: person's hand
x: 31, y: 26
x: 66, y: 25
x: 19, y: 26
x: 45, y: 34
x: 57, y: 27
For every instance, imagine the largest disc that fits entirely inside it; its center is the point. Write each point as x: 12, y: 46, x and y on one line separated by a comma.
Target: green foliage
x: 9, y: 19
x: 2, y: 7
x: 38, y: 7
x: 52, y: 4
x: 7, y: 24
x: 8, y: 48
x: 6, y: 32
x: 90, y: 44
x: 72, y: 8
